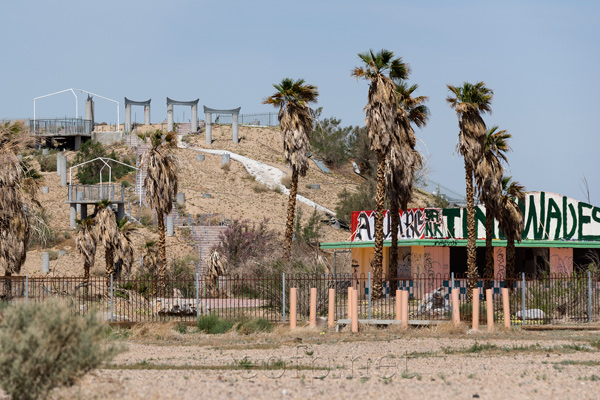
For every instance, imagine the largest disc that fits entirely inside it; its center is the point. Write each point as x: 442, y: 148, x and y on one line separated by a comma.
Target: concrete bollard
x: 331, y: 313
x: 506, y: 308
x: 489, y: 304
x: 313, y: 307
x: 225, y: 159
x: 404, y: 309
x: 350, y: 302
x: 455, y: 307
x: 293, y: 308
x: 398, y: 305
x: 63, y: 171
x: 354, y: 311
x: 45, y: 262
x: 44, y: 152
x: 58, y: 161
x: 170, y: 227
x: 72, y: 216
x: 476, y: 309
x: 45, y: 190
x: 181, y: 199
x: 199, y: 157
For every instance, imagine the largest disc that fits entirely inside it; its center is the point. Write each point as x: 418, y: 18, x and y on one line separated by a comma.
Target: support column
x: 77, y: 144
x: 194, y: 118
x: 169, y: 117
x: 83, y: 211
x: 127, y: 118
x: 73, y: 215
x: 89, y: 112
x: 208, y: 122
x: 63, y: 171
x: 234, y: 127
x: 146, y: 114
x: 120, y: 211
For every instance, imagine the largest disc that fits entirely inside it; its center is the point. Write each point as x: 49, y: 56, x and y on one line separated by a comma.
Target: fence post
x: 313, y: 308
x: 404, y: 307
x: 197, y: 298
x: 111, y: 298
x: 490, y: 309
x: 506, y: 307
x: 292, y: 308
x: 331, y: 313
x: 455, y: 306
x: 26, y: 289
x: 523, y: 298
x: 475, y: 313
x: 283, y: 281
x: 452, y: 287
x: 369, y: 298
x: 589, y: 296
x: 398, y: 305
x: 354, y: 311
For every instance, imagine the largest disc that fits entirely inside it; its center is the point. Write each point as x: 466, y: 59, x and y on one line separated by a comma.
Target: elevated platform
x: 80, y: 196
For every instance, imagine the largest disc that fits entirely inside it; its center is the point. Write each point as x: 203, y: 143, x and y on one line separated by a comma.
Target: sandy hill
x: 233, y: 192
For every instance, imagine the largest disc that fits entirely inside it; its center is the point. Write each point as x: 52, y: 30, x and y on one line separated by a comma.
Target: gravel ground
x: 509, y: 365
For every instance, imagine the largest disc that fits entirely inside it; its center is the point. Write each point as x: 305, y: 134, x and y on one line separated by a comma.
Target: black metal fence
x: 533, y: 300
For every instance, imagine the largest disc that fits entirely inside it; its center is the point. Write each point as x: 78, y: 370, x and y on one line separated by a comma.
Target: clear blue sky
x: 540, y: 57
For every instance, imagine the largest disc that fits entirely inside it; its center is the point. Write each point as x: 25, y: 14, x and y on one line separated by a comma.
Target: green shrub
x: 43, y: 346
x: 90, y: 173
x: 254, y: 325
x: 53, y: 255
x: 330, y: 141
x: 362, y: 199
x: 466, y: 312
x: 213, y: 324
x: 181, y: 328
x: 47, y: 163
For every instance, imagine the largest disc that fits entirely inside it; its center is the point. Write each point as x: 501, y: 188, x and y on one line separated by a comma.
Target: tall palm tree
x: 470, y: 101
x: 296, y: 123
x: 86, y: 242
x: 217, y: 266
x: 106, y: 225
x: 511, y: 221
x: 403, y: 160
x: 381, y: 113
x: 19, y: 185
x: 160, y: 186
x: 124, y: 247
x: 488, y: 179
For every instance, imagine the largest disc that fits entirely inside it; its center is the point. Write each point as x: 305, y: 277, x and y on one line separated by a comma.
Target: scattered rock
x: 533, y: 313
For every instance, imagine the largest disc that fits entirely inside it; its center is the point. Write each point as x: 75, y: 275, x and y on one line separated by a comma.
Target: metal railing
x: 539, y: 300
x: 97, y: 192
x: 61, y: 127
x: 259, y: 119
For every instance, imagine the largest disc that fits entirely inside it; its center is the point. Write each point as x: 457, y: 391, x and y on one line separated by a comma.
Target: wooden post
x: 331, y: 314
x: 313, y: 307
x: 398, y: 305
x: 350, y: 289
x: 404, y: 306
x: 292, y: 308
x: 490, y: 309
x: 455, y: 307
x: 354, y: 311
x: 506, y: 308
x: 476, y: 309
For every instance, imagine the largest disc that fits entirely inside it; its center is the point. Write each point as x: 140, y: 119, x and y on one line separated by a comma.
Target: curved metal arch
x: 182, y: 103
x: 137, y: 103
x: 215, y: 111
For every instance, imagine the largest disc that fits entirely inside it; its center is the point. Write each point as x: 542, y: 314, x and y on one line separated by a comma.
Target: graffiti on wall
x: 547, y: 216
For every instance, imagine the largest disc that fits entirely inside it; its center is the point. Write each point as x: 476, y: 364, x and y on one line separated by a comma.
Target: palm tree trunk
x: 510, y: 262
x: 377, y: 263
x: 86, y: 271
x: 110, y: 263
x: 472, y: 273
x: 489, y: 249
x: 393, y: 275
x: 162, y: 253
x: 289, y: 225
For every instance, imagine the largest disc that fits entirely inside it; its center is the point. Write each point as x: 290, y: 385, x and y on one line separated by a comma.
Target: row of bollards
x: 402, y: 297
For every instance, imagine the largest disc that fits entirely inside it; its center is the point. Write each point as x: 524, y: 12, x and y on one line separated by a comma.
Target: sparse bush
x: 244, y: 244
x: 309, y: 233
x: 52, y: 255
x: 362, y: 199
x: 360, y: 148
x: 181, y: 328
x: 259, y: 188
x: 254, y: 325
x: 287, y: 181
x: 47, y: 163
x: 277, y: 190
x: 213, y: 324
x: 125, y: 183
x: 43, y: 346
x: 330, y: 141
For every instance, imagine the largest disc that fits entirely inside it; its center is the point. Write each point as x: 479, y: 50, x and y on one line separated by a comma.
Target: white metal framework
x: 76, y: 99
x: 104, y: 160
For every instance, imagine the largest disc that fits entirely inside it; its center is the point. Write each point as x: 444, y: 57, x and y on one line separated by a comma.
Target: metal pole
x: 369, y: 298
x: 523, y: 297
x: 334, y: 263
x: 197, y: 299
x: 451, y: 289
x: 26, y: 289
x: 111, y: 298
x: 283, y: 281
x: 452, y: 274
x: 589, y: 296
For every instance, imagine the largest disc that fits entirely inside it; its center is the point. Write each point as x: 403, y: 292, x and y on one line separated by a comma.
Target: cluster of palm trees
x: 484, y: 152
x: 103, y: 228
x: 391, y: 112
